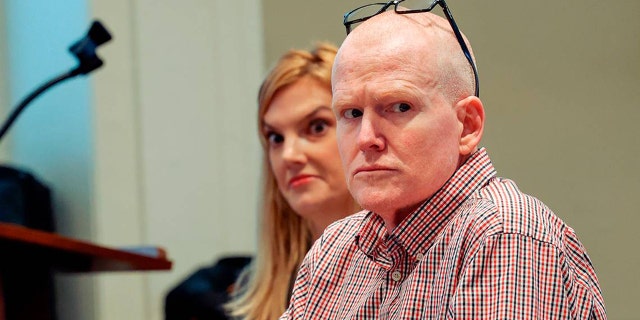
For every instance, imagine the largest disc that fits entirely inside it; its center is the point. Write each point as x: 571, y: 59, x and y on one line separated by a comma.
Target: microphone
x: 85, y: 50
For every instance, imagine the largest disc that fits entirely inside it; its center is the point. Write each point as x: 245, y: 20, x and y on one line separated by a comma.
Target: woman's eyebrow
x: 316, y: 111
x: 313, y: 113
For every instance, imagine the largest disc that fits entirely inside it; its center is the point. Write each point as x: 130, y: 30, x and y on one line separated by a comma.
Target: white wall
x: 172, y: 157
x: 177, y: 155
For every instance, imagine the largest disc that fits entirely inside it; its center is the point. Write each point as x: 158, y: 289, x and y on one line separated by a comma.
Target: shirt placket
x: 396, y: 274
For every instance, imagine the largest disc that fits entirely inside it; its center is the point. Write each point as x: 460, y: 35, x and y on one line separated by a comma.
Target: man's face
x: 398, y: 136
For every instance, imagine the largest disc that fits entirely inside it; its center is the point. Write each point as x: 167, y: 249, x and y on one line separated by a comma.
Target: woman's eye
x: 352, y: 113
x: 274, y: 138
x: 317, y: 127
x: 400, y: 107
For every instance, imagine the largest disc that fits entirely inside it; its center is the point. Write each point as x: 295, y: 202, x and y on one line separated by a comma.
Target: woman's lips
x: 300, y: 180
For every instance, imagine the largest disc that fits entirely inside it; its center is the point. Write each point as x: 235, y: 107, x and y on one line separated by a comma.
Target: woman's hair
x: 263, y: 289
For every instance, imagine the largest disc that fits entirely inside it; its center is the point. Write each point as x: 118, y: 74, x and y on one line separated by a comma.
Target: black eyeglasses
x: 361, y: 14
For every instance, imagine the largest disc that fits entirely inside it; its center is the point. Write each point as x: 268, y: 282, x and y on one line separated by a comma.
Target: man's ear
x: 470, y: 113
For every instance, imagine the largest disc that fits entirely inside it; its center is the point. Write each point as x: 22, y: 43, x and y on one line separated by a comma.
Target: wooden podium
x: 28, y: 257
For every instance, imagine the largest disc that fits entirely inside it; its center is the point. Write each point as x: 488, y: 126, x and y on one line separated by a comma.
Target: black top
x: 203, y: 294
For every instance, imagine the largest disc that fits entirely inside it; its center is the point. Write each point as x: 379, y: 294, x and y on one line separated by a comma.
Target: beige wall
x: 560, y: 82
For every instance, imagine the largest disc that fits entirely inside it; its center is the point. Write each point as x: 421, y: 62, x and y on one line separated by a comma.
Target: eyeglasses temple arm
x: 463, y: 45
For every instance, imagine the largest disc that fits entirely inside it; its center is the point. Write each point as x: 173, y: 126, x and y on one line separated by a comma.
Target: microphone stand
x: 84, y: 50
x: 16, y: 112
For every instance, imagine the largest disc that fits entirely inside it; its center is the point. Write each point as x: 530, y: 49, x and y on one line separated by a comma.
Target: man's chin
x: 376, y: 203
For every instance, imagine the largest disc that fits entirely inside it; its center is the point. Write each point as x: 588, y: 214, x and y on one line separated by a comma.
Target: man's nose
x: 369, y: 135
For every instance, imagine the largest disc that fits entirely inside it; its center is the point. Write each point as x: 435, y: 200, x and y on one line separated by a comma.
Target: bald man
x: 441, y: 236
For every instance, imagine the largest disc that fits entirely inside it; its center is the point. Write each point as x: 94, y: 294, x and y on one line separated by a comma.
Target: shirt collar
x: 419, y: 230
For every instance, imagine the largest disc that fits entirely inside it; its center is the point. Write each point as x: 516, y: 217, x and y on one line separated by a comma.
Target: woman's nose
x: 293, y: 152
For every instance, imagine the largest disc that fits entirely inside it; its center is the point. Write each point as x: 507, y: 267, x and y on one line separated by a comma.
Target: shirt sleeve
x: 299, y: 295
x: 513, y: 276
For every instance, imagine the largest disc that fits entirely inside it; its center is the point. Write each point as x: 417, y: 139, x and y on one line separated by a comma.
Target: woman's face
x: 299, y: 126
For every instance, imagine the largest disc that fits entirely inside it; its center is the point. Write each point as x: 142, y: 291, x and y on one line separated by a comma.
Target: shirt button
x: 396, y: 276
x: 419, y: 256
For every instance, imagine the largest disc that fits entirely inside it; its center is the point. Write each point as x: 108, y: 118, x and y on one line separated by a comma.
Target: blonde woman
x: 304, y: 184
x: 304, y: 191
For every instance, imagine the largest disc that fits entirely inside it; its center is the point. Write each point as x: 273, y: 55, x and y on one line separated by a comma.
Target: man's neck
x: 394, y: 218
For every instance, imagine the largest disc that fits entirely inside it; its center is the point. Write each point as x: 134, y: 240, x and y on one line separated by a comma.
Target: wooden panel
x: 28, y: 259
x: 20, y: 245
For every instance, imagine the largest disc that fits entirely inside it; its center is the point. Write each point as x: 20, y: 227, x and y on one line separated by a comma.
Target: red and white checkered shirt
x: 478, y: 249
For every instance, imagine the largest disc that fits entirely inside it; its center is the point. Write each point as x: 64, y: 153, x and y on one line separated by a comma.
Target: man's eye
x: 400, y: 107
x: 274, y: 138
x: 352, y: 113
